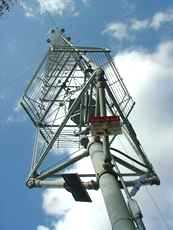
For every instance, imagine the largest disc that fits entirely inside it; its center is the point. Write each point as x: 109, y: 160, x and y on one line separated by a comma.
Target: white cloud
x: 53, y: 7
x: 29, y: 11
x: 141, y: 67
x: 16, y: 115
x: 86, y: 216
x: 56, y: 7
x: 139, y: 24
x: 148, y: 76
x: 57, y: 202
x: 42, y: 227
x: 121, y: 30
x: 117, y: 30
x: 160, y: 18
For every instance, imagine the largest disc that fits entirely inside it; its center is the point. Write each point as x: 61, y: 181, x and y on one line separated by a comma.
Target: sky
x: 140, y: 35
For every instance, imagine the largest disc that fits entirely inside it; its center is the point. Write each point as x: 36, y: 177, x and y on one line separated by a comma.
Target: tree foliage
x: 5, y: 6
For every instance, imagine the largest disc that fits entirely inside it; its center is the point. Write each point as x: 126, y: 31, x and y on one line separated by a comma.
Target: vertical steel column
x: 114, y: 201
x: 102, y: 102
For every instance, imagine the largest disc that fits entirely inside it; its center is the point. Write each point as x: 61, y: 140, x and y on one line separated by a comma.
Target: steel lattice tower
x: 77, y: 101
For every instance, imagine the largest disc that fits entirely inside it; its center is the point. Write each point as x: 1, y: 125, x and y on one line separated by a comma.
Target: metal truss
x: 60, y: 99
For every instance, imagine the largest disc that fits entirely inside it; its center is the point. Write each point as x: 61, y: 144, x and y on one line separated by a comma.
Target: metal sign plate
x: 109, y: 125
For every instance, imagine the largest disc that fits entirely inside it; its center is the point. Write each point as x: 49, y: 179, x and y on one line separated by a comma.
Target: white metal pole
x: 100, y: 155
x: 114, y: 201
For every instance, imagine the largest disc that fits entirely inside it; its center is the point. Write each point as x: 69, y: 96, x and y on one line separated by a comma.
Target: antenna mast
x: 78, y: 101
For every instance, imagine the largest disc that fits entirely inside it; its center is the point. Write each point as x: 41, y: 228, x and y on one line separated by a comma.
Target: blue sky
x: 140, y: 35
